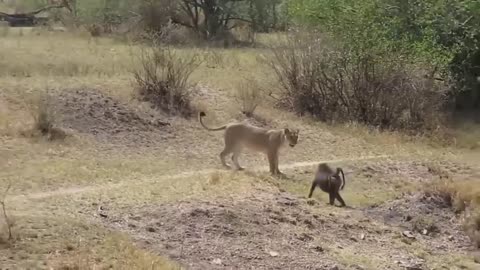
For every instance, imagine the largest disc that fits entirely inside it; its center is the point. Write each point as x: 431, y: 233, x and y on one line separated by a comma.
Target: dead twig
x: 7, y: 220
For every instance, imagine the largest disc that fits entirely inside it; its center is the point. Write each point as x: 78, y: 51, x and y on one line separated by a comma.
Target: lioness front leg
x: 277, y: 170
x: 276, y: 164
x: 271, y: 162
x: 235, y: 156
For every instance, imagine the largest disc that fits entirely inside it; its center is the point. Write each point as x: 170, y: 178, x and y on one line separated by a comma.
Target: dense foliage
x: 442, y: 33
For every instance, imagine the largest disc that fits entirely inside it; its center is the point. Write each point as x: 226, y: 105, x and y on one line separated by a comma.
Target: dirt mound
x: 247, y: 234
x: 428, y: 218
x: 411, y: 171
x: 109, y: 120
x: 271, y: 231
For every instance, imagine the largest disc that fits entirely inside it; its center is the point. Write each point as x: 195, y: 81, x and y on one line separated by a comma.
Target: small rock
x: 311, y: 202
x: 362, y: 236
x: 305, y: 237
x: 151, y: 229
x: 217, y: 261
x: 424, y: 231
x: 318, y: 248
x: 408, y: 234
x: 309, y: 223
x: 476, y: 258
x: 103, y: 215
x: 273, y: 253
x: 414, y: 267
x: 450, y: 238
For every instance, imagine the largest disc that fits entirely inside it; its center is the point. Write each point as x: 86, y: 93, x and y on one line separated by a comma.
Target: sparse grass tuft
x: 44, y: 120
x: 472, y: 227
x: 462, y: 196
x: 248, y: 95
x: 6, y: 217
x: 163, y: 79
x: 458, y: 194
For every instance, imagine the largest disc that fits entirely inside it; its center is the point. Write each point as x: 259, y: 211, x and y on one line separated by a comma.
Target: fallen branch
x: 28, y: 18
x: 7, y: 220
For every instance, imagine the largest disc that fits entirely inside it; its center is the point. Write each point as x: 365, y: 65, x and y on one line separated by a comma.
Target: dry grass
x: 44, y: 120
x: 163, y: 79
x: 48, y: 240
x: 115, y: 252
x: 463, y: 196
x: 248, y: 95
x: 460, y: 194
x: 33, y: 61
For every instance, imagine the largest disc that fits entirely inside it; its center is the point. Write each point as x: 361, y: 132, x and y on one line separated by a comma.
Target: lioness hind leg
x: 223, y: 154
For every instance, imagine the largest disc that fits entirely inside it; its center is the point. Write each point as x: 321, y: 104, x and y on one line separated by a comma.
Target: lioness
x: 268, y: 141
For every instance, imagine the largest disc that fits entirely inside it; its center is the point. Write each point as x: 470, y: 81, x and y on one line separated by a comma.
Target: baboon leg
x: 312, y: 189
x: 236, y: 154
x: 331, y: 196
x: 339, y: 198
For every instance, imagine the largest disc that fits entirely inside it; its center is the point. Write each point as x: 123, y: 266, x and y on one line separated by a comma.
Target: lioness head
x: 291, y: 136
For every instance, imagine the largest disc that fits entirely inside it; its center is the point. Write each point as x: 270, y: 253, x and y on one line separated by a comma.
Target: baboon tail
x: 343, y: 178
x: 201, y: 115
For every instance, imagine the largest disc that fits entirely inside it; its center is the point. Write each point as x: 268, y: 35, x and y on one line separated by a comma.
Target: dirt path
x: 86, y: 189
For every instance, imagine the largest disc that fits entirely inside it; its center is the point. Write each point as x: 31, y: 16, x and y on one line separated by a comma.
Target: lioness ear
x: 287, y: 131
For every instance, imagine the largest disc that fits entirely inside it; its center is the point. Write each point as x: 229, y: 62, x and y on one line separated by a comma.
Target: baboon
x: 330, y: 182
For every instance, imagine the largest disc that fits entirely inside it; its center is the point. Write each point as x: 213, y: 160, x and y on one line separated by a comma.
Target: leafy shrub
x: 444, y: 33
x: 376, y: 88
x: 162, y: 79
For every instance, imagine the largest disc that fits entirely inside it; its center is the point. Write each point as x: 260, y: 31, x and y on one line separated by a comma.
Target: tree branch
x: 177, y: 21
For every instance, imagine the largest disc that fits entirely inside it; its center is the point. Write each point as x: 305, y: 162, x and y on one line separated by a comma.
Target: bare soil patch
x: 230, y: 234
x: 429, y: 219
x: 91, y: 112
x: 415, y: 171
x: 275, y: 230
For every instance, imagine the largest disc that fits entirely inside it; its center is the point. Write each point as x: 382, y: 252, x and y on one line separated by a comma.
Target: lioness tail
x: 201, y: 115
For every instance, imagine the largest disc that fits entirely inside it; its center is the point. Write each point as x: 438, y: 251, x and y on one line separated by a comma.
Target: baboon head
x: 292, y: 136
x: 323, y: 167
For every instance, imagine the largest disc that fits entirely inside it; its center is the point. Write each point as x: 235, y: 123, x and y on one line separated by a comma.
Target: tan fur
x: 240, y: 135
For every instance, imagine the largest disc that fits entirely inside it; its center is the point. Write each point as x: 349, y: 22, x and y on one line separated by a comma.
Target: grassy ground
x: 58, y: 187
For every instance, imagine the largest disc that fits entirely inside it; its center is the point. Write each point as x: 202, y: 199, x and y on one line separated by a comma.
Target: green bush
x: 444, y: 33
x: 339, y: 83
